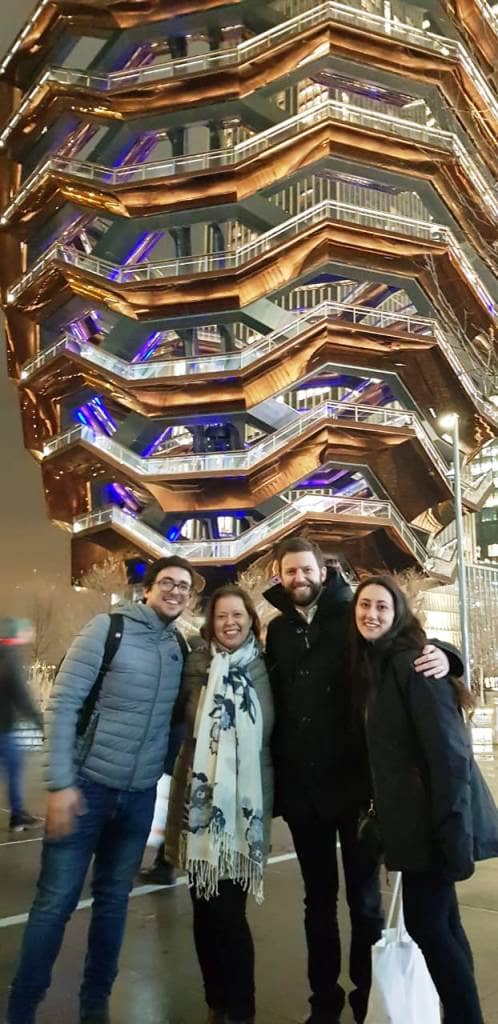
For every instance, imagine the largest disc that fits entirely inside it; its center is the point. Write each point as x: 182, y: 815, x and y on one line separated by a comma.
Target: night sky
x: 27, y: 539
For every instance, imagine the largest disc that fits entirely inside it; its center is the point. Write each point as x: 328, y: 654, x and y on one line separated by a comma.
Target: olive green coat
x: 195, y: 676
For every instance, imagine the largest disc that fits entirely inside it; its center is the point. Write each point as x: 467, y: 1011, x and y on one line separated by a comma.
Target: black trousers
x: 432, y: 919
x: 225, y: 950
x: 315, y: 841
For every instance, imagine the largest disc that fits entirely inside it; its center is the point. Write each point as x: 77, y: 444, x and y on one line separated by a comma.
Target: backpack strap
x: 111, y: 646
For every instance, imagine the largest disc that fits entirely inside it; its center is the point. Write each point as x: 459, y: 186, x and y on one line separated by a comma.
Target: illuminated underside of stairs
x: 246, y: 267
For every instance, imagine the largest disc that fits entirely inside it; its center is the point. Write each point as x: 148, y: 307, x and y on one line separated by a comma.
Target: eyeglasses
x: 169, y: 585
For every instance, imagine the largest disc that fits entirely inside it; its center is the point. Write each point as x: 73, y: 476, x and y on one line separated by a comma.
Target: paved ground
x: 159, y: 981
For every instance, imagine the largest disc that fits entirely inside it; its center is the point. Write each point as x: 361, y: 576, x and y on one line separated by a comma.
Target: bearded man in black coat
x: 321, y: 772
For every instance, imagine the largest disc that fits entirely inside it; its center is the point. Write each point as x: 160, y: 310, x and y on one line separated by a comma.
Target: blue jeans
x: 11, y: 759
x: 114, y: 828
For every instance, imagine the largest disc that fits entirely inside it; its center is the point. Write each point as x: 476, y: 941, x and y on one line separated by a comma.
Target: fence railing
x: 232, y: 361
x: 324, y: 110
x: 243, y: 461
x: 245, y: 52
x: 327, y: 210
x: 233, y: 550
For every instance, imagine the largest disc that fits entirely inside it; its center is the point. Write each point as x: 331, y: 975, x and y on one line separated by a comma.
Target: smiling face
x: 169, y: 593
x: 374, y: 611
x: 231, y: 622
x: 301, y: 576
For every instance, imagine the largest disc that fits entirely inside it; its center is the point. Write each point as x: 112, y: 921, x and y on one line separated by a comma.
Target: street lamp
x: 451, y: 424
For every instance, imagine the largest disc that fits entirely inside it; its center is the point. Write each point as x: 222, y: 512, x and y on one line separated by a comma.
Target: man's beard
x: 306, y: 597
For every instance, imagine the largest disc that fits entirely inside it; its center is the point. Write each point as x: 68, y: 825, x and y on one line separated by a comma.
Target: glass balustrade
x: 327, y: 210
x: 215, y: 364
x: 232, y: 550
x: 243, y: 461
x: 451, y: 50
x: 468, y: 373
x: 324, y: 111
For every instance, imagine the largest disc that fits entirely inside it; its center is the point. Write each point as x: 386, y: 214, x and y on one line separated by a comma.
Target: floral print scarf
x: 224, y: 833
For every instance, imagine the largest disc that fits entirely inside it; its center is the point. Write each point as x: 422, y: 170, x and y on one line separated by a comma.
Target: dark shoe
x: 320, y: 1019
x: 231, y: 1020
x: 159, y: 874
x: 215, y: 1016
x: 23, y: 820
x: 95, y: 1017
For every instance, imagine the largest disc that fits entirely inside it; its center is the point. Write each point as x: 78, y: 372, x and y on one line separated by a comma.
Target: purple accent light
x: 139, y: 251
x: 123, y: 497
x: 95, y: 415
x: 138, y: 152
x: 166, y: 434
x: 148, y: 347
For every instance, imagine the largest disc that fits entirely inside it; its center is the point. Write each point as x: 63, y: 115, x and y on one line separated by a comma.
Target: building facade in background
x: 248, y: 258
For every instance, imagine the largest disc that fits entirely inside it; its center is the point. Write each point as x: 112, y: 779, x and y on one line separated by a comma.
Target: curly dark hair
x: 229, y: 590
x: 405, y: 633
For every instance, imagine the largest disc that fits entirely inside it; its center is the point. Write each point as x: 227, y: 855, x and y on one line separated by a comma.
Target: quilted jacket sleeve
x: 75, y: 679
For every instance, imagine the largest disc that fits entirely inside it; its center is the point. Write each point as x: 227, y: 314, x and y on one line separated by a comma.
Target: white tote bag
x: 402, y: 989
x: 158, y: 827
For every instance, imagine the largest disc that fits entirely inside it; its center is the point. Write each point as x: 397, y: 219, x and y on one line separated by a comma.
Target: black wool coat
x: 421, y: 764
x: 318, y: 758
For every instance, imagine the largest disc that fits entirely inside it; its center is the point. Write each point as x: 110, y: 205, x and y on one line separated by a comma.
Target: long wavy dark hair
x: 406, y: 633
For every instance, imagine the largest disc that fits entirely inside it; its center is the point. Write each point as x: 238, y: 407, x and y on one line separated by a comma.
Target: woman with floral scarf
x: 221, y: 797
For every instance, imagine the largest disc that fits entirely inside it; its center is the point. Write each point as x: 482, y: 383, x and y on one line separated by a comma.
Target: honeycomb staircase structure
x: 248, y: 256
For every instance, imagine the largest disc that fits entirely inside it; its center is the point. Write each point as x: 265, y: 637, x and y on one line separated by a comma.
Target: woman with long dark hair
x: 421, y: 766
x: 221, y: 797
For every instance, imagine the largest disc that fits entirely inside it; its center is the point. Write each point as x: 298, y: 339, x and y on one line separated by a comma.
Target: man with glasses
x: 102, y: 784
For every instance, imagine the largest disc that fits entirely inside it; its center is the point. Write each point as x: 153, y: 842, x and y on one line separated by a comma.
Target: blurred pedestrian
x: 16, y: 705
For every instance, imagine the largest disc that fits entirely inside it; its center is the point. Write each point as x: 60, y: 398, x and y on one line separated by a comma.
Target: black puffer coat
x: 317, y: 756
x: 420, y: 757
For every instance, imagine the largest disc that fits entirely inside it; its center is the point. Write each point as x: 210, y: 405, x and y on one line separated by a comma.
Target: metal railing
x: 327, y: 210
x: 325, y: 110
x: 289, y: 516
x: 227, y: 362
x: 469, y: 375
x: 463, y: 365
x: 243, y: 461
x: 489, y: 14
x: 247, y: 51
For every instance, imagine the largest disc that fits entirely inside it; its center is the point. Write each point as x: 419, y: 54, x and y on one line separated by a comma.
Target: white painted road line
x: 140, y: 890
x: 19, y: 842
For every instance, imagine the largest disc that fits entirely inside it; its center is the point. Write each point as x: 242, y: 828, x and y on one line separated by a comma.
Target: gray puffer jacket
x: 127, y: 739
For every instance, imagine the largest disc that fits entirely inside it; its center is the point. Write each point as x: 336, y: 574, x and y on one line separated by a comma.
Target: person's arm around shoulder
x: 446, y: 749
x: 75, y: 679
x: 439, y: 659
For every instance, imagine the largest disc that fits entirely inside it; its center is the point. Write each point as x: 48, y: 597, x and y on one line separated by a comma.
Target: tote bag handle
x: 396, y: 900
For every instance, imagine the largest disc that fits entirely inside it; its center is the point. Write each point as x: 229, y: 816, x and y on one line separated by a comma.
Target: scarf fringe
x: 204, y: 876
